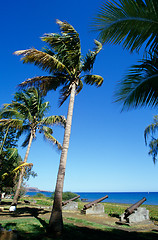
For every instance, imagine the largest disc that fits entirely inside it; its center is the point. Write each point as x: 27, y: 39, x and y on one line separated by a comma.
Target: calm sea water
x: 114, y: 197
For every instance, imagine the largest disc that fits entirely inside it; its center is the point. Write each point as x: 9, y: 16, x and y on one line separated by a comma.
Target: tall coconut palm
x: 134, y: 24
x: 26, y: 114
x: 63, y: 60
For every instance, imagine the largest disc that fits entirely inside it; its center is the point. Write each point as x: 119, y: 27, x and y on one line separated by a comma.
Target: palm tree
x: 63, y: 60
x: 133, y: 23
x: 26, y: 114
x: 150, y: 131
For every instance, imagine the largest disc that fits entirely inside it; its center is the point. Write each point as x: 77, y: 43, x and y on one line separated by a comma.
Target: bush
x: 39, y: 195
x: 66, y: 195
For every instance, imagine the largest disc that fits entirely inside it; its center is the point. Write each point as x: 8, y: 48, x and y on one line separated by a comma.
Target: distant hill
x: 34, y: 189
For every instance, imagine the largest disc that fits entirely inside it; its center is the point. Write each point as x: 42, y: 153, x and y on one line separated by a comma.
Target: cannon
x: 70, y: 200
x: 131, y: 209
x: 134, y: 214
x: 88, y: 205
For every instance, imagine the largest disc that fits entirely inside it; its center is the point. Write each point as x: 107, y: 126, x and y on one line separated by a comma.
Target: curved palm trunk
x: 15, y: 199
x: 56, y: 222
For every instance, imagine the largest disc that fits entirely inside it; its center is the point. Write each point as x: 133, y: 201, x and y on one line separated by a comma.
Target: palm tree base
x: 55, y: 227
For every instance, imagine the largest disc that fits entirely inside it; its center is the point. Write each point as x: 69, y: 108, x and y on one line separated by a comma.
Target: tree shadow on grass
x: 34, y: 231
x: 34, y: 212
x: 72, y: 232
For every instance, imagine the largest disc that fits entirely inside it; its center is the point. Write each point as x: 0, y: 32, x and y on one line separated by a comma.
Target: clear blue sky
x: 107, y: 150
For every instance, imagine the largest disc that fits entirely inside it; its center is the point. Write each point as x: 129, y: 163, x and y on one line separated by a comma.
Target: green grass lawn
x: 30, y: 229
x: 34, y: 227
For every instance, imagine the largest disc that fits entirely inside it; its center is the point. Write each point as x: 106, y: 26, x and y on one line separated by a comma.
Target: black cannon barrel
x: 72, y: 199
x: 88, y: 205
x: 131, y: 209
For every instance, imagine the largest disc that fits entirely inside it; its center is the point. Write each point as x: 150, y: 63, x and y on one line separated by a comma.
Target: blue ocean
x: 114, y: 197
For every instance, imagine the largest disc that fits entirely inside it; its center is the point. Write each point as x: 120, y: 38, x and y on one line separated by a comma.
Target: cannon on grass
x: 134, y: 207
x: 94, y: 207
x: 70, y: 200
x: 70, y: 205
x: 135, y: 214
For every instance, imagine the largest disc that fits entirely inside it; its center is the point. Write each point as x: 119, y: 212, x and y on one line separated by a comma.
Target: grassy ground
x: 112, y: 209
x: 32, y: 229
x: 30, y: 222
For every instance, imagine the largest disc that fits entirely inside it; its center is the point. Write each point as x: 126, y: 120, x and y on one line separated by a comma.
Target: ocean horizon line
x: 96, y: 191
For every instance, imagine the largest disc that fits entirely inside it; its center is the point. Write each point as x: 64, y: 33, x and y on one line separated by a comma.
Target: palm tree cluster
x: 65, y: 64
x: 68, y: 69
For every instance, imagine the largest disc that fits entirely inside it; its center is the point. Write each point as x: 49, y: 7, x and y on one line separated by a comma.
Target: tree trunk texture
x: 15, y: 199
x: 56, y: 221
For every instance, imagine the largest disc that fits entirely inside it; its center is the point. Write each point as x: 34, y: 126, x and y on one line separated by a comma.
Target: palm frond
x: 21, y: 110
x: 8, y: 112
x: 13, y: 123
x: 25, y: 129
x: 89, y: 60
x: 51, y: 120
x: 151, y: 129
x: 12, y: 152
x: 47, y: 130
x: 19, y: 168
x: 93, y: 80
x: 129, y: 22
x: 66, y: 28
x: 26, y: 141
x: 44, y: 83
x: 66, y: 46
x: 41, y: 59
x: 64, y: 94
x: 153, y: 149
x: 140, y: 86
x: 49, y: 137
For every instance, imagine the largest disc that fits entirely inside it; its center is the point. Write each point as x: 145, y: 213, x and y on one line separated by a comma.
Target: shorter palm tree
x: 153, y: 144
x: 26, y: 114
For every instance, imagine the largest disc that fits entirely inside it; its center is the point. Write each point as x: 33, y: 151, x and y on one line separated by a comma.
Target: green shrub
x: 66, y: 195
x: 39, y: 195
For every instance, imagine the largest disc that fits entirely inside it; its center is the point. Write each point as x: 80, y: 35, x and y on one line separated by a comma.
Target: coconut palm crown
x: 26, y: 114
x: 63, y: 60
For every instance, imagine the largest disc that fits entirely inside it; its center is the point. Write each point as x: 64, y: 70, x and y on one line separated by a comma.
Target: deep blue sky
x: 107, y: 150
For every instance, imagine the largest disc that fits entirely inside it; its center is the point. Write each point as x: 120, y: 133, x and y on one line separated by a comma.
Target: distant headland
x: 34, y: 189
